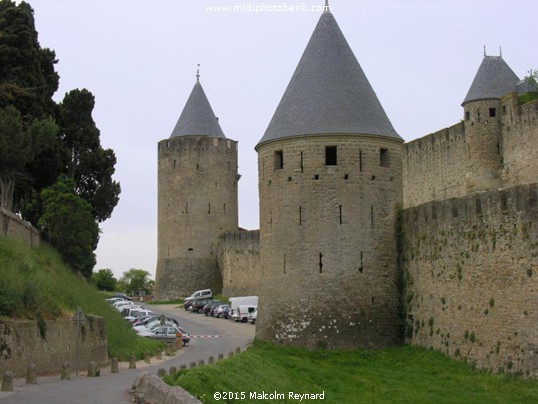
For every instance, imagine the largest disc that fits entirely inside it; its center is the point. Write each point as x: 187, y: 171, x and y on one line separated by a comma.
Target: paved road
x: 211, y: 336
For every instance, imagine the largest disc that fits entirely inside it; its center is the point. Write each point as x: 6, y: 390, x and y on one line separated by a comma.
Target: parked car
x: 201, y: 294
x: 167, y: 333
x: 210, y: 306
x: 135, y: 314
x: 222, y: 311
x: 198, y: 305
x: 122, y: 296
x: 187, y: 305
x: 235, y: 302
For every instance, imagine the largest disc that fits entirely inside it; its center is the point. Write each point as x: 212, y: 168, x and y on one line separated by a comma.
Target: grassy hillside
x: 403, y: 374
x: 35, y: 284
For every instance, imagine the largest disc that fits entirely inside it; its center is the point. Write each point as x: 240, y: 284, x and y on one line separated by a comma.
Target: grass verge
x: 35, y: 284
x: 403, y: 374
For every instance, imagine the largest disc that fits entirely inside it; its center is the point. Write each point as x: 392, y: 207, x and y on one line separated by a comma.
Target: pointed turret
x: 493, y: 80
x: 197, y: 118
x: 329, y: 92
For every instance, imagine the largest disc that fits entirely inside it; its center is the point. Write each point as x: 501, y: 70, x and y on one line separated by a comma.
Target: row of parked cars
x: 243, y: 309
x: 147, y: 323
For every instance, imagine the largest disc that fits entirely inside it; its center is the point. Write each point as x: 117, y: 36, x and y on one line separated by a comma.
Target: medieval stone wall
x: 520, y: 142
x: 14, y: 227
x: 21, y: 343
x: 434, y: 166
x: 328, y: 240
x: 239, y: 261
x: 471, y: 271
x: 481, y: 152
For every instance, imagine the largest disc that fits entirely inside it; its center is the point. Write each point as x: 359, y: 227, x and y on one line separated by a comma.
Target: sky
x: 139, y: 59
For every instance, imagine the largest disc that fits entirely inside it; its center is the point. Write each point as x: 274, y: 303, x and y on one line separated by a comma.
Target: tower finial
x: 500, y: 51
x: 484, y: 50
x: 327, y: 8
x: 198, y: 74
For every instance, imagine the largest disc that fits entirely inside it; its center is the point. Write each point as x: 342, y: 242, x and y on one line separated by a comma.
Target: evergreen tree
x: 68, y: 225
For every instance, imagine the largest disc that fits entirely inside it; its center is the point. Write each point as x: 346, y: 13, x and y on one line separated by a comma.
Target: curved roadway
x: 209, y: 337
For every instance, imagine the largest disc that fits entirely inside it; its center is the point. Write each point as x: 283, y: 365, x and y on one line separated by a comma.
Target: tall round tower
x: 330, y: 182
x: 197, y: 199
x: 482, y: 117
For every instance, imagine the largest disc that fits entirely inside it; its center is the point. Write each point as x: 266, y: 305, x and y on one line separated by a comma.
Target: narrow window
x: 175, y: 163
x: 224, y: 207
x: 492, y: 112
x: 360, y: 263
x: 229, y: 166
x: 360, y: 161
x: 330, y: 155
x: 197, y: 166
x: 467, y: 115
x: 372, y: 215
x: 384, y: 157
x: 340, y: 213
x: 302, y: 168
x: 320, y: 263
x: 209, y: 208
x: 504, y: 109
x: 186, y: 208
x: 300, y: 215
x: 478, y: 114
x: 346, y: 176
x: 279, y: 160
x: 316, y: 177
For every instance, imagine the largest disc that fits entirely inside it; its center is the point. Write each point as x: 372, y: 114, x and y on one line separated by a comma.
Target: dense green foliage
x: 35, y: 284
x: 403, y: 374
x: 68, y: 225
x: 135, y: 280
x: 104, y: 280
x: 41, y: 140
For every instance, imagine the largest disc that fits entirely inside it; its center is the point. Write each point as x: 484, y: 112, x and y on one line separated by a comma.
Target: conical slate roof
x: 197, y: 117
x: 328, y: 92
x: 494, y: 79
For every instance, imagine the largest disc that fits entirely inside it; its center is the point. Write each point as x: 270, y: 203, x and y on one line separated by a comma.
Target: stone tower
x: 330, y: 183
x: 483, y: 127
x: 197, y: 199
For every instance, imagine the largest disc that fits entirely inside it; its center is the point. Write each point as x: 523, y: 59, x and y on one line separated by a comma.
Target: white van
x: 235, y: 302
x: 201, y: 294
x: 244, y: 313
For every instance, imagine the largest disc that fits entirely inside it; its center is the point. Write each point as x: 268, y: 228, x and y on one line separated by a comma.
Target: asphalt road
x: 209, y: 337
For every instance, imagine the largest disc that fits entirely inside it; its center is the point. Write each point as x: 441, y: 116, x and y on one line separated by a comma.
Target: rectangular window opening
x: 330, y: 155
x: 361, y: 268
x: 384, y: 157
x: 467, y: 115
x: 340, y: 213
x: 209, y: 208
x: 320, y: 263
x: 279, y: 160
x: 300, y: 215
x: 302, y: 168
x: 492, y: 112
x: 371, y: 215
x: 360, y: 161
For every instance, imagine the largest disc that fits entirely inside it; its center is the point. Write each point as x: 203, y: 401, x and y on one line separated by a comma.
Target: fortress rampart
x: 470, y: 266
x: 239, y: 262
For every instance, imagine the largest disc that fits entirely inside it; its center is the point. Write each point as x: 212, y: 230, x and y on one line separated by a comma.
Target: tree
x: 28, y: 79
x: 68, y: 225
x: 14, y: 154
x: 88, y: 164
x: 134, y: 280
x: 104, y: 280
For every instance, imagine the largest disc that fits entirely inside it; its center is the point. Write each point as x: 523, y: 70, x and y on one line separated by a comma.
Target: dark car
x: 188, y: 304
x: 208, y: 308
x: 198, y: 305
x: 122, y: 296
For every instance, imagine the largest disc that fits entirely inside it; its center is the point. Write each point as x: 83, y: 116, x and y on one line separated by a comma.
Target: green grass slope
x: 35, y: 284
x: 398, y: 375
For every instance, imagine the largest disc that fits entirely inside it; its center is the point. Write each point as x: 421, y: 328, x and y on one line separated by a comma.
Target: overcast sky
x: 139, y: 59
